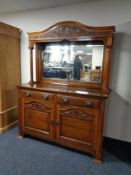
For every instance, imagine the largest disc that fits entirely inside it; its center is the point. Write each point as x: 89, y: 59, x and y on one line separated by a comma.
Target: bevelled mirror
x: 73, y: 61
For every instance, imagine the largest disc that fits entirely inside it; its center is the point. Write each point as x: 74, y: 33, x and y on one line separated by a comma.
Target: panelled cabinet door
x: 77, y: 127
x: 38, y: 118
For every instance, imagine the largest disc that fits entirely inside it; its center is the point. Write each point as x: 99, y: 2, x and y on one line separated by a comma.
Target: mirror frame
x: 70, y: 31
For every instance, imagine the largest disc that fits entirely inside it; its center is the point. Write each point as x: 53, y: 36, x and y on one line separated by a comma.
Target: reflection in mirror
x: 73, y: 62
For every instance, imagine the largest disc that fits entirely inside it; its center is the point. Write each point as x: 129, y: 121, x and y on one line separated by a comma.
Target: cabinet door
x: 77, y: 126
x: 38, y: 118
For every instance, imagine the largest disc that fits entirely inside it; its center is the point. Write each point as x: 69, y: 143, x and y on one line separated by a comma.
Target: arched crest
x: 70, y: 30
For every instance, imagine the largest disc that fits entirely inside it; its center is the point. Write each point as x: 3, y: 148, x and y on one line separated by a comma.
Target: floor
x: 31, y: 156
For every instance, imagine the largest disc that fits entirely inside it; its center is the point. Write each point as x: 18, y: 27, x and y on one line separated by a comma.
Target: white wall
x: 118, y: 120
x: 97, y: 56
x: 113, y: 12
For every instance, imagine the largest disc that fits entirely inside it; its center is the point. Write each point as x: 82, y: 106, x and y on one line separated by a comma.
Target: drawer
x: 38, y: 95
x: 78, y: 101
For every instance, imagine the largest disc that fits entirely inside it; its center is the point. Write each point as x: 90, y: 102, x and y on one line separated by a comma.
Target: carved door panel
x: 77, y: 127
x: 38, y: 118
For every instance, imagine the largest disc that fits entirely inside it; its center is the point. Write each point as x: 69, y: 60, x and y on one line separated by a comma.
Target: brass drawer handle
x: 45, y: 97
x: 65, y: 100
x: 88, y: 103
x: 28, y: 94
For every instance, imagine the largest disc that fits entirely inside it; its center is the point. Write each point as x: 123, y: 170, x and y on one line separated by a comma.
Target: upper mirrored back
x: 80, y: 62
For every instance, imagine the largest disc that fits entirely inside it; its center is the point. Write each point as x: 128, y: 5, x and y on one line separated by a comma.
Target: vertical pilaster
x: 31, y: 65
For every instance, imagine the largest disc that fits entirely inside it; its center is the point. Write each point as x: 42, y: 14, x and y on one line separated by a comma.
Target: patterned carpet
x: 30, y: 156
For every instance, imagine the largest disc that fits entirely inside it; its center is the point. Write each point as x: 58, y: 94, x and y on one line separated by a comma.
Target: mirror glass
x: 80, y: 62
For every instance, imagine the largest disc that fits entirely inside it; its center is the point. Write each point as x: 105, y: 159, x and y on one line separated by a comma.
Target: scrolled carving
x: 36, y: 106
x: 67, y: 32
x: 76, y: 113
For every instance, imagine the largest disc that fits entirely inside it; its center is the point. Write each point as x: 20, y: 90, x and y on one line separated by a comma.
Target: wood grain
x: 9, y: 71
x: 73, y: 113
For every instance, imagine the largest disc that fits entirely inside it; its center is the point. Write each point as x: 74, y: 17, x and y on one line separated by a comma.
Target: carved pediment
x: 76, y: 113
x: 36, y: 106
x: 65, y: 30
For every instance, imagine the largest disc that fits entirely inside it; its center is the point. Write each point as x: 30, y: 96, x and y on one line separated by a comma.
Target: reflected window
x: 82, y: 62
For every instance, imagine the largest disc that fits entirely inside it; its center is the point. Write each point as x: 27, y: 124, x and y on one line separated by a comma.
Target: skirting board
x: 121, y: 149
x: 6, y: 128
x: 8, y: 119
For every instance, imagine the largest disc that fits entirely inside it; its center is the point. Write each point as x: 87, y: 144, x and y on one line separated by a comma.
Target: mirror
x: 80, y: 62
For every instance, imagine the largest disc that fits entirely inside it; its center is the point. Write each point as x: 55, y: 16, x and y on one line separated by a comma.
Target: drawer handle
x: 28, y: 94
x: 65, y: 100
x: 45, y: 97
x: 88, y: 103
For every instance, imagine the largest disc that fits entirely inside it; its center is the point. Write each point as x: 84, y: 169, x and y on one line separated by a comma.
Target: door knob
x: 57, y: 122
x: 28, y: 94
x: 45, y: 97
x: 65, y: 100
x: 88, y: 103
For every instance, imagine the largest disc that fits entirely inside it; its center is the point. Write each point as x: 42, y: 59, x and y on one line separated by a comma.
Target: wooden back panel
x: 9, y: 65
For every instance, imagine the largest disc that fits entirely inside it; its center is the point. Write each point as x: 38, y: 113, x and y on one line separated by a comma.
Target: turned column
x: 31, y: 65
x: 106, y: 66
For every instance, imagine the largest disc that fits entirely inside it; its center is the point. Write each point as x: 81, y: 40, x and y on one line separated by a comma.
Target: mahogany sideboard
x: 58, y: 106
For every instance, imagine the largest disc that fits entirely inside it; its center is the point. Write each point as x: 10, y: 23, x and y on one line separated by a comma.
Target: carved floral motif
x: 76, y: 113
x: 36, y: 106
x: 67, y: 31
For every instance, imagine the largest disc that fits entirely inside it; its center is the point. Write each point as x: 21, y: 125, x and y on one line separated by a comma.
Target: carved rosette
x: 67, y: 32
x: 36, y: 106
x: 76, y: 113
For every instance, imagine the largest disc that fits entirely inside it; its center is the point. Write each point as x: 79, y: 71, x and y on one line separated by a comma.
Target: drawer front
x: 38, y: 95
x: 78, y: 101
